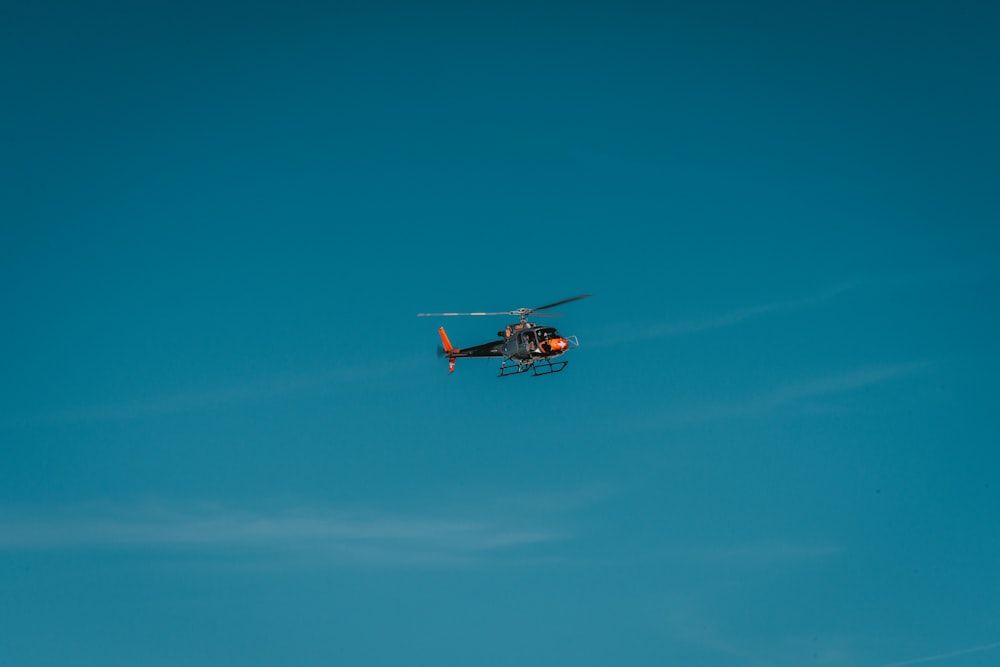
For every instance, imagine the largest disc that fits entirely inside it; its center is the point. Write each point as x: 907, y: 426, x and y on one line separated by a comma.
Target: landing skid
x: 536, y: 366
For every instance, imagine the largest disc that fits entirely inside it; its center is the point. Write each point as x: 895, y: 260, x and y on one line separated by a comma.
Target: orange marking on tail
x: 445, y: 341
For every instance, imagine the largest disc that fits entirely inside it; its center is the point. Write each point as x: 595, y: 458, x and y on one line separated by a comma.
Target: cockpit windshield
x: 546, y: 333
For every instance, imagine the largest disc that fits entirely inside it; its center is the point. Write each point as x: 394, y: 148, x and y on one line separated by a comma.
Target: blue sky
x: 226, y: 438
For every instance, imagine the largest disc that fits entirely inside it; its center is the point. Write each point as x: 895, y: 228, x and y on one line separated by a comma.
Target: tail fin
x: 444, y: 340
x: 447, y: 349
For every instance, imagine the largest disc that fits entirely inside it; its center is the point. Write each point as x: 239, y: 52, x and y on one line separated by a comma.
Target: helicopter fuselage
x: 523, y: 346
x: 529, y: 341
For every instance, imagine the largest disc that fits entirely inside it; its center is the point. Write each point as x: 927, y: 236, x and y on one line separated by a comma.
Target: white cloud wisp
x: 793, y: 394
x: 357, y: 537
x: 945, y: 656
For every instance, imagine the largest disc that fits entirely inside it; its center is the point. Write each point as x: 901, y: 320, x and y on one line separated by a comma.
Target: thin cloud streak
x: 737, y: 316
x: 945, y: 656
x: 793, y: 394
x: 835, y: 384
x: 731, y: 318
x: 207, y: 398
x: 766, y: 553
x: 349, y: 535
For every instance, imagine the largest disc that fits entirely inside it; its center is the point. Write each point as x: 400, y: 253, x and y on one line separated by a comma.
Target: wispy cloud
x: 792, y: 394
x: 945, y: 656
x: 888, y: 283
x: 208, y: 398
x: 686, y: 624
x: 338, y: 536
x: 718, y: 619
x: 732, y: 317
x: 704, y: 619
x: 774, y: 552
x: 739, y: 315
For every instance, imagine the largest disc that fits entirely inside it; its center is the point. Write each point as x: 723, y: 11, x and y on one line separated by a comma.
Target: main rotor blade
x: 455, y: 314
x: 559, y: 303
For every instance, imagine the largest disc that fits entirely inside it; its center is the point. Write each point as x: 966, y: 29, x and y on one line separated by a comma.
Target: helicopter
x: 524, y: 346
